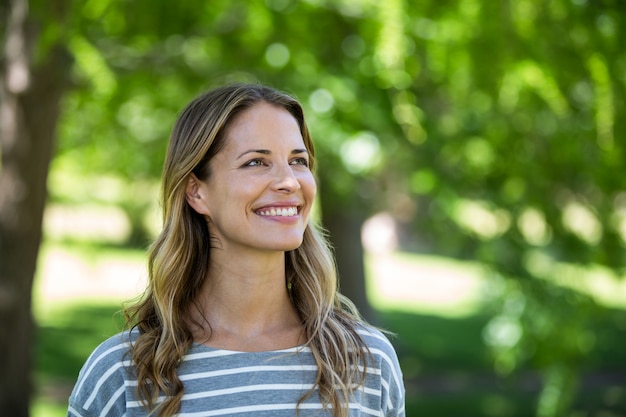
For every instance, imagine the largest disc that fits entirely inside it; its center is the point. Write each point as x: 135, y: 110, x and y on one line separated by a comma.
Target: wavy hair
x: 178, y: 264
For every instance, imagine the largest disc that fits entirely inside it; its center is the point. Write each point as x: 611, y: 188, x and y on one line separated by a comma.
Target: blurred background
x: 471, y: 174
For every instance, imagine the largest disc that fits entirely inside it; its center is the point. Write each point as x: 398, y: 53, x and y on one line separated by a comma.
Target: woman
x: 241, y: 315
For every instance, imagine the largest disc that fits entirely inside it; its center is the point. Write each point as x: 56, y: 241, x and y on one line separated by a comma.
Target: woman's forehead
x: 265, y: 126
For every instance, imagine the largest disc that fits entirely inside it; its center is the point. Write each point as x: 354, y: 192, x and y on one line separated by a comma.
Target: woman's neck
x: 246, y: 304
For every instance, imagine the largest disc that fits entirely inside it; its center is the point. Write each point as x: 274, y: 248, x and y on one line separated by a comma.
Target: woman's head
x: 257, y: 192
x: 199, y: 134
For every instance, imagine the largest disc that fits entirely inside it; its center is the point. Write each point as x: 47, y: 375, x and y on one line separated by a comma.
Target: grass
x: 448, y: 369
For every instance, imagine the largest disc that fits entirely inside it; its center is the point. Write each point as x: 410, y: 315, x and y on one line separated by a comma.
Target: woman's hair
x: 179, y: 258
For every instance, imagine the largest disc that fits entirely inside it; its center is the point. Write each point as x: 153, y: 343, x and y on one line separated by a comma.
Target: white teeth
x: 282, y: 212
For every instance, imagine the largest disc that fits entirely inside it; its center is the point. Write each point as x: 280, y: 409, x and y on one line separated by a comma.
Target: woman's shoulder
x: 384, y: 368
x: 381, y: 350
x: 374, y: 338
x: 112, y: 350
x: 102, y: 379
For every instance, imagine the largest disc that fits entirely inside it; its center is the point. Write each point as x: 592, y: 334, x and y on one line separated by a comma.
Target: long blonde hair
x: 179, y: 258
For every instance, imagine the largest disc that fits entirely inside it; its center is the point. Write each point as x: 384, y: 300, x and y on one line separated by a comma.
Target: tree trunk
x: 29, y: 109
x: 344, y: 225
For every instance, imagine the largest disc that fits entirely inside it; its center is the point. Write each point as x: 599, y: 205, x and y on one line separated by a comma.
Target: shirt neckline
x: 295, y: 349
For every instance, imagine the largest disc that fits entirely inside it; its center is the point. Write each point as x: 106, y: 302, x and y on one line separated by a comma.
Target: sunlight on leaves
x: 581, y: 221
x: 479, y: 154
x: 361, y: 153
x: 604, y: 106
x: 618, y: 218
x: 524, y: 13
x: 533, y: 226
x: 277, y: 55
x: 423, y: 181
x: 480, y: 219
x: 93, y: 65
x: 321, y: 101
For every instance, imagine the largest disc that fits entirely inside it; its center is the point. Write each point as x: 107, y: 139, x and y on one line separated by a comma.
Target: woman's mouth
x: 278, y: 211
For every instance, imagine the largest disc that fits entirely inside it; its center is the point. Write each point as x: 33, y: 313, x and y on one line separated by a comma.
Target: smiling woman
x: 241, y: 315
x: 263, y: 179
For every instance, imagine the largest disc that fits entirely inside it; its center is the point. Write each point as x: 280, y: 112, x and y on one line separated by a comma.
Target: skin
x: 263, y: 166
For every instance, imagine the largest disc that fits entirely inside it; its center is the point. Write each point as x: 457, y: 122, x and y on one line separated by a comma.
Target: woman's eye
x: 300, y: 161
x: 255, y: 162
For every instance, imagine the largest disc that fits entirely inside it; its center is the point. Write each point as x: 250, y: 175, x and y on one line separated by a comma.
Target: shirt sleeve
x: 393, y: 393
x: 392, y: 376
x: 100, y: 390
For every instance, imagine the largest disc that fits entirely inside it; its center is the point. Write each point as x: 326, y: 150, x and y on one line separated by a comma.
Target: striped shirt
x: 220, y: 382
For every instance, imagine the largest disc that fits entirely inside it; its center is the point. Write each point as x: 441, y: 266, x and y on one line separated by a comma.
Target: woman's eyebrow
x: 263, y: 151
x: 268, y: 152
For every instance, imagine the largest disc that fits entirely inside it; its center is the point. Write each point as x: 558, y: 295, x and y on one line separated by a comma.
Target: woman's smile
x: 286, y: 209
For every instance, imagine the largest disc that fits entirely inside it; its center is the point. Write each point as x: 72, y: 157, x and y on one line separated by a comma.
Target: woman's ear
x: 194, y: 197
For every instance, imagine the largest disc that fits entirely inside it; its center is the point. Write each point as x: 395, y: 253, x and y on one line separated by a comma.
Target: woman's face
x: 260, y: 190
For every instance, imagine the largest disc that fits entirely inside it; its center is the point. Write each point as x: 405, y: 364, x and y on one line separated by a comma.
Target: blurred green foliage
x: 493, y: 131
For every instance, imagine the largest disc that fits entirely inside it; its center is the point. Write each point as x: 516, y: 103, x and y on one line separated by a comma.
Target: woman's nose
x: 286, y: 179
